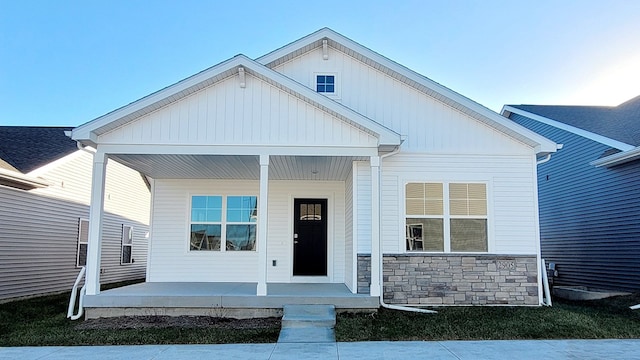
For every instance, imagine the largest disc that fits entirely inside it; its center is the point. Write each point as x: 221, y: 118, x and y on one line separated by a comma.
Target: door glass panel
x: 310, y: 212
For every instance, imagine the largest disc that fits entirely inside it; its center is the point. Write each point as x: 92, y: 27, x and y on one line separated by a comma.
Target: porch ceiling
x: 244, y: 167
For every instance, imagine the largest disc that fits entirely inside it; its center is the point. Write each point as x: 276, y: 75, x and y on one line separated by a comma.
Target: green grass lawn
x: 601, y: 319
x: 42, y: 321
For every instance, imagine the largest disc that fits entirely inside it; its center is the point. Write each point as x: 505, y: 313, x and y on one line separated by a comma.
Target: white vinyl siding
x: 511, y: 196
x: 30, y: 266
x: 172, y: 261
x: 224, y: 113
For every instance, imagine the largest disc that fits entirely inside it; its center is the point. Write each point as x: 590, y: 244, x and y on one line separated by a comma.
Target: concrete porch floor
x: 219, y: 299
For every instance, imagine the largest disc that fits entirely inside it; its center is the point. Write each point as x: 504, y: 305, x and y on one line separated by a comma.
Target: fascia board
x: 293, y: 46
x: 22, y: 179
x: 557, y: 124
x: 538, y: 142
x: 84, y: 131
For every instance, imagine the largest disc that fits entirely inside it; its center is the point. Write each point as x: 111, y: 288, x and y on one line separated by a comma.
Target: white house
x: 291, y: 172
x: 45, y: 187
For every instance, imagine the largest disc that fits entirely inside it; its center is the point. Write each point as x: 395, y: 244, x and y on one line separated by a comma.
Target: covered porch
x: 219, y: 138
x: 219, y: 299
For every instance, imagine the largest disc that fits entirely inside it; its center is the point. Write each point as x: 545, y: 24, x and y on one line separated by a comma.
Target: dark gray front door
x: 310, y: 237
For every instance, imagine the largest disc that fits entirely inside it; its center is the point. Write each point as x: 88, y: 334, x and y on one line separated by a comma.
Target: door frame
x: 330, y: 237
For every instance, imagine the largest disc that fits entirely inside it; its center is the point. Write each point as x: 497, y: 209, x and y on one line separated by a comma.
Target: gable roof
x: 620, y: 123
x: 88, y: 133
x: 262, y: 67
x: 410, y: 77
x: 26, y: 148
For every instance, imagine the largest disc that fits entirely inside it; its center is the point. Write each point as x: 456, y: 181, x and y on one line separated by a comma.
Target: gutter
x: 548, y: 156
x: 382, y: 303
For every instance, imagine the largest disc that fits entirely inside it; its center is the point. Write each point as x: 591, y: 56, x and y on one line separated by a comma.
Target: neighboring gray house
x: 589, y: 192
x: 45, y: 186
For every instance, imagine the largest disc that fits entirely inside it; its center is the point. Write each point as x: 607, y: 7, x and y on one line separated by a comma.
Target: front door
x: 310, y: 237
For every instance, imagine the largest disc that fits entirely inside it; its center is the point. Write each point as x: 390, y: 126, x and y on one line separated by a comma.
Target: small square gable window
x: 326, y: 84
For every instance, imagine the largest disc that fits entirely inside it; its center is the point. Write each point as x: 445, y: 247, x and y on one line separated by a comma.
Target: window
x: 83, y: 242
x: 460, y: 226
x: 217, y: 220
x: 326, y: 84
x: 242, y: 213
x: 206, y: 222
x: 127, y: 245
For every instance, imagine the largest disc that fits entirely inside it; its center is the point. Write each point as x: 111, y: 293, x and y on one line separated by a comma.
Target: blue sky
x: 67, y: 62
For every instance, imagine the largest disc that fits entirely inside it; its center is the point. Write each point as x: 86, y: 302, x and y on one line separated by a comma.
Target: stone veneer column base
x: 448, y: 279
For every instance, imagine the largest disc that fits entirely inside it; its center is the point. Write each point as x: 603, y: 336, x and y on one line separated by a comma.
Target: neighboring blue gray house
x: 589, y: 193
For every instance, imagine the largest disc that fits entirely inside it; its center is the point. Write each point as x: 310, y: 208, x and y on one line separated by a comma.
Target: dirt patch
x: 186, y: 322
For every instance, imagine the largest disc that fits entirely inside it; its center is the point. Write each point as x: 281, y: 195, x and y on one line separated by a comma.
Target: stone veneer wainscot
x: 448, y: 279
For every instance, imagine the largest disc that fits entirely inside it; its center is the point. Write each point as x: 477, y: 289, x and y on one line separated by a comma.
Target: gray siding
x: 38, y: 244
x: 589, y: 217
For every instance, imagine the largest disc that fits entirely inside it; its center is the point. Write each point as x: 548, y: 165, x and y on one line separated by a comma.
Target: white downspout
x: 380, y: 258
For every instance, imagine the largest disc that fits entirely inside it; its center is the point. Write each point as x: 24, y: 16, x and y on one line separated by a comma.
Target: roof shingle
x: 621, y: 123
x: 27, y: 148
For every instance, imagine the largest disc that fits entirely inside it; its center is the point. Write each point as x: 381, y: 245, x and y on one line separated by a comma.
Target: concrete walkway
x: 414, y: 350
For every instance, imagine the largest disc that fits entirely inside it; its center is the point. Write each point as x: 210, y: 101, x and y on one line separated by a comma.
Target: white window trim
x: 446, y: 216
x: 336, y: 95
x: 122, y: 246
x: 80, y: 220
x: 223, y: 226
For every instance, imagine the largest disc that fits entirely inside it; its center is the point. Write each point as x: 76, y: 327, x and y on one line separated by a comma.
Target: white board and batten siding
x: 225, y: 114
x: 511, y: 193
x: 430, y: 125
x: 39, y: 228
x: 171, y: 259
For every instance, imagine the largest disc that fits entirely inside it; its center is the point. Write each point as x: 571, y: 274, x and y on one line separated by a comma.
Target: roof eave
x: 20, y: 181
x: 618, y: 158
x: 507, y: 110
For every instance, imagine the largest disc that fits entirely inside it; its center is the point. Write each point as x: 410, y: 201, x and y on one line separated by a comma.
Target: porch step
x: 308, y: 323
x: 307, y: 335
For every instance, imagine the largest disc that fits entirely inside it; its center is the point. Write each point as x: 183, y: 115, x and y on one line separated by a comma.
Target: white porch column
x: 262, y: 225
x: 374, y: 289
x: 96, y: 213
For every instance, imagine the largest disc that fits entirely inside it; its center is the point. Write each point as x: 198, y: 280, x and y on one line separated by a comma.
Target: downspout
x: 382, y: 303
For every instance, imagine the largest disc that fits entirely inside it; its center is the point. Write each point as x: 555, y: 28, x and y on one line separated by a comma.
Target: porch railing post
x: 262, y: 226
